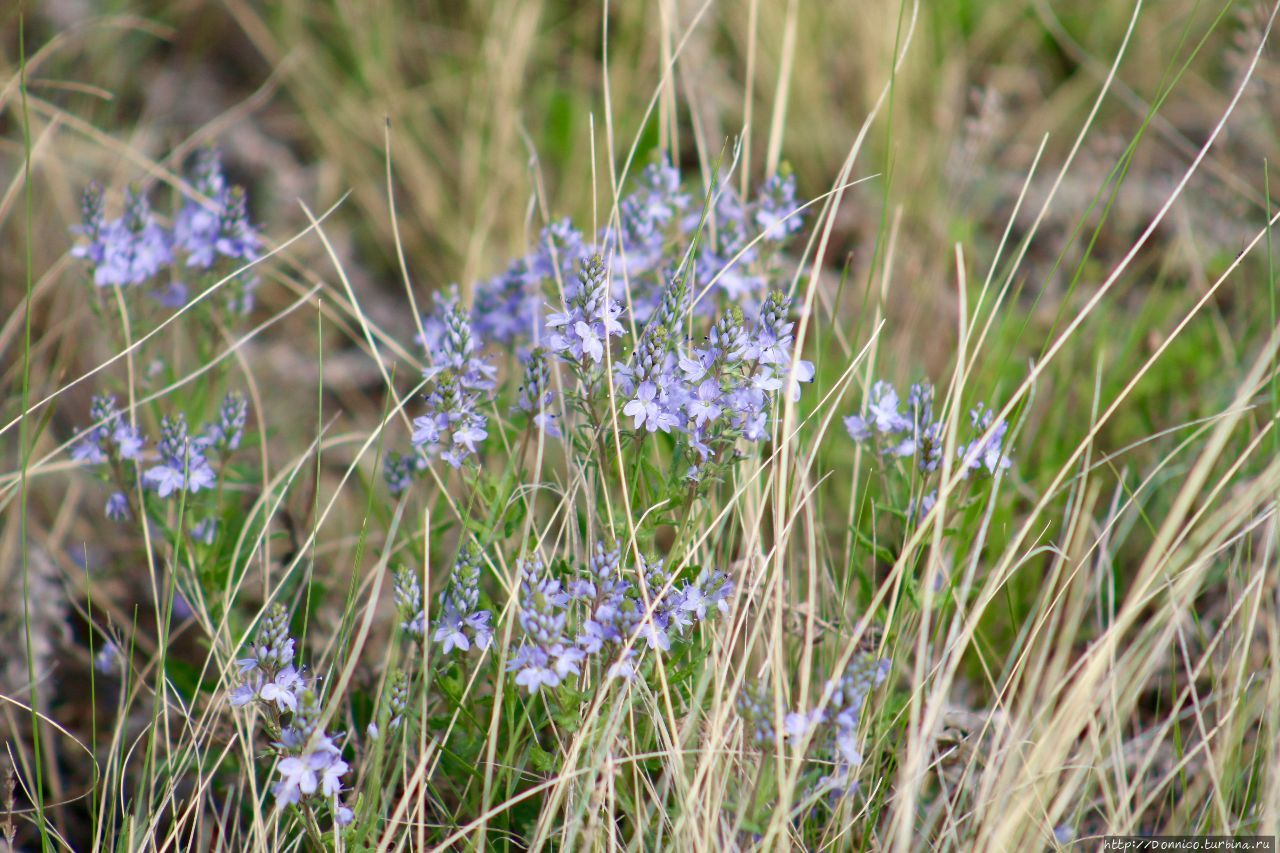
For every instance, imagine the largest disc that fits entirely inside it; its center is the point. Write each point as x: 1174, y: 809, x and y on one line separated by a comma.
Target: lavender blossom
x: 182, y: 465
x: 770, y: 346
x: 205, y: 531
x: 916, y: 434
x: 451, y: 346
x: 452, y: 426
x: 462, y: 623
x: 882, y: 417
x: 656, y: 623
x: 653, y: 384
x: 581, y: 332
x: 398, y: 699
x: 988, y: 455
x: 777, y: 212
x: 843, y: 711
x: 109, y: 660
x: 535, y: 393
x: 173, y: 294
x: 268, y: 674
x: 92, y: 226
x: 399, y: 470
x: 508, y: 307
x: 612, y: 614
x: 409, y: 602
x: 196, y: 224
x: 111, y: 438
x: 225, y: 434
x: 129, y: 250
x: 217, y: 225
x: 104, y: 415
x: 117, y: 508
x: 543, y: 658
x: 647, y: 215
x: 312, y: 766
x: 712, y: 589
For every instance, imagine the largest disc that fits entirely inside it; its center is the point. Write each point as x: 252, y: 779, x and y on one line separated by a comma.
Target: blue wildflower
x: 535, y: 393
x: 110, y: 437
x: 129, y: 250
x: 543, y: 658
x: 182, y: 465
x: 843, y: 710
x: 268, y: 674
x: 409, y: 602
x: 312, y: 766
x: 205, y: 531
x: 109, y: 659
x: 117, y: 508
x: 988, y: 455
x: 398, y: 698
x: 451, y: 346
x: 218, y: 225
x: 451, y: 427
x: 590, y: 318
x: 462, y: 622
x: 225, y: 434
x: 399, y: 470
x: 776, y: 211
x: 92, y: 226
x: 770, y: 345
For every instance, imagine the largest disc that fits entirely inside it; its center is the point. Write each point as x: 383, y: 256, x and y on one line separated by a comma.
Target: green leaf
x: 542, y: 761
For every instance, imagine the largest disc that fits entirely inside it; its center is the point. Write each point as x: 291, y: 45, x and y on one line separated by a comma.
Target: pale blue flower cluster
x: 225, y: 433
x: 109, y: 660
x: 117, y: 508
x: 715, y: 393
x: 564, y: 626
x: 535, y: 394
x: 457, y: 374
x: 829, y: 731
x: 110, y: 439
x: 205, y: 531
x: 832, y: 729
x: 399, y: 469
x: 124, y: 251
x: 656, y: 223
x: 135, y: 249
x: 461, y: 623
x: 708, y: 395
x: 409, y: 602
x: 912, y: 432
x: 673, y: 606
x: 268, y: 674
x: 580, y: 333
x: 451, y: 347
x: 180, y: 463
x: 398, y: 699
x: 545, y: 655
x: 509, y: 306
x: 216, y: 225
x: 311, y: 764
